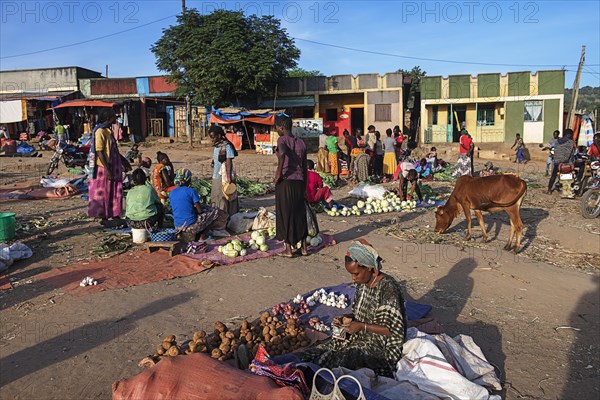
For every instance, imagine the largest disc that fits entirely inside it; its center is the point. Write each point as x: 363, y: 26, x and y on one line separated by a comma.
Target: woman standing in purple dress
x: 290, y: 187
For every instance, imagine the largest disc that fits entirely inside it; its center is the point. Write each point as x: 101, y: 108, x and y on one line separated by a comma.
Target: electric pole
x: 573, y: 108
x: 188, y: 111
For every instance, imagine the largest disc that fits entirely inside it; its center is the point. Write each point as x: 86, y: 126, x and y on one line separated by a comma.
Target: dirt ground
x: 535, y: 315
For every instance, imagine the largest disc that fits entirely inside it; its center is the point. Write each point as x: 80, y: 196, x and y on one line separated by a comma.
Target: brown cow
x: 490, y: 193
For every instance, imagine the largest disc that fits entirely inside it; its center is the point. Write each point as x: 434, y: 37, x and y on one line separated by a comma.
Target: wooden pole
x: 182, y: 6
x: 573, y: 108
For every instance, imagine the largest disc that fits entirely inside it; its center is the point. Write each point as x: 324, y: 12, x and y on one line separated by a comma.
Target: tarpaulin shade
x: 220, y: 117
x: 290, y: 102
x: 85, y: 103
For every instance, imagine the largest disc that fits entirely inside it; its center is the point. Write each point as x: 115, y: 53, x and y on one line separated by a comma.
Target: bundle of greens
x: 248, y: 188
x: 203, y: 187
x: 328, y: 180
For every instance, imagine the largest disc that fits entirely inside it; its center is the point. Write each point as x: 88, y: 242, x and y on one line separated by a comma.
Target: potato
x: 173, y: 351
x: 267, y: 337
x: 272, y: 332
x: 201, y: 340
x: 249, y: 336
x: 225, y: 348
x: 160, y: 350
x: 230, y: 335
x: 265, y: 315
x: 203, y: 349
x: 244, y: 324
x: 192, y: 346
x: 222, y: 358
x: 199, y: 335
x: 167, y: 345
x: 188, y: 352
x: 216, y: 353
x: 226, y: 341
x: 170, y: 339
x: 265, y: 331
x: 219, y: 326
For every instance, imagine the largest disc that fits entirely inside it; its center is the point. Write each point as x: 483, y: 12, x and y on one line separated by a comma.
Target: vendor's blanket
x: 139, y: 268
x: 125, y: 270
x: 275, y: 247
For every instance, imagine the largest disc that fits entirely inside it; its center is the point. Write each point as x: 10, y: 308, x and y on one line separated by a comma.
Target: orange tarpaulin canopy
x: 85, y: 103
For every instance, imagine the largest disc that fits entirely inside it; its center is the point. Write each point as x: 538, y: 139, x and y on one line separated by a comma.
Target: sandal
x: 243, y: 357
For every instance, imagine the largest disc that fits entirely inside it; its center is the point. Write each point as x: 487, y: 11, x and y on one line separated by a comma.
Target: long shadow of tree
x: 77, y: 341
x: 584, y: 357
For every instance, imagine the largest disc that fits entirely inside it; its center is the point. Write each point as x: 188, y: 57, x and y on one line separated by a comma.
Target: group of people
x: 153, y: 187
x: 368, y: 156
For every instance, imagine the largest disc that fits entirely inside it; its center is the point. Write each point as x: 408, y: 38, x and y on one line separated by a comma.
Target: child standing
x: 518, y: 145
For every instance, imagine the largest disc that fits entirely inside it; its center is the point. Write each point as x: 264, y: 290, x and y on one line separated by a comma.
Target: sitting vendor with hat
x: 189, y: 214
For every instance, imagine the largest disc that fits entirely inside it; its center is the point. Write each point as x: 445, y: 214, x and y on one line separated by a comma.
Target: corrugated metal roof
x: 290, y: 102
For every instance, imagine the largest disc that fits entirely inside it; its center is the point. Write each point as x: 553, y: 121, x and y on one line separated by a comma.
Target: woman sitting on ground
x: 188, y: 213
x: 143, y: 207
x: 315, y: 190
x: 377, y: 327
x: 163, y: 176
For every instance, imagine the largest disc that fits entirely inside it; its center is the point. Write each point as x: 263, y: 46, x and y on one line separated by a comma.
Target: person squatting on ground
x: 376, y: 330
x: 224, y: 172
x: 189, y: 214
x: 409, y: 176
x: 315, y: 190
x: 290, y: 187
x: 105, y: 171
x: 144, y: 209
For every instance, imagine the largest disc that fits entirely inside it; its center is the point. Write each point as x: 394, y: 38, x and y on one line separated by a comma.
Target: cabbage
x: 360, y: 204
x: 260, y: 241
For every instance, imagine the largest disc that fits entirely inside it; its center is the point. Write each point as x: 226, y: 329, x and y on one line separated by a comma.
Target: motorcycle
x: 568, y: 182
x: 590, y: 201
x: 72, y: 156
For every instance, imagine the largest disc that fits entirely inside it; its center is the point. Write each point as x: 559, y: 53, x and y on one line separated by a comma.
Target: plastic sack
x: 423, y: 364
x: 12, y: 253
x: 199, y: 377
x: 311, y: 221
x: 363, y: 191
x: 54, y: 182
x: 241, y: 222
x: 264, y: 219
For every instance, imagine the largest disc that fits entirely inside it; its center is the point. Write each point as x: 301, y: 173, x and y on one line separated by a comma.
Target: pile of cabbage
x: 390, y: 203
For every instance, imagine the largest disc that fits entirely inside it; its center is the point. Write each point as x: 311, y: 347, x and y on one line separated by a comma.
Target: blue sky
x: 494, y: 32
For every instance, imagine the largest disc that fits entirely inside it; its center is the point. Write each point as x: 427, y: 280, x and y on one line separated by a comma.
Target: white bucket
x: 139, y: 235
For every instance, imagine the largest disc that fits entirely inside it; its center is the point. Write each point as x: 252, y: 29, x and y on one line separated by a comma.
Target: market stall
x: 260, y: 122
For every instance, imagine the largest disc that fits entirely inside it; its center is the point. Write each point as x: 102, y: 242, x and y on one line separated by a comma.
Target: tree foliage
x: 416, y: 73
x: 298, y: 72
x: 224, y: 56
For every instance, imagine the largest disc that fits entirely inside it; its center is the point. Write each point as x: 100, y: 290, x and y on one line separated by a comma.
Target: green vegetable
x: 328, y: 180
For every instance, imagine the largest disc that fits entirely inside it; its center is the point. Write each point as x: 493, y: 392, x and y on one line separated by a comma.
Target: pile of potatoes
x: 276, y: 336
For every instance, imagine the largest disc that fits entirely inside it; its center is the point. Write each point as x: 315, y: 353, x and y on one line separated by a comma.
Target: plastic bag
x: 311, y: 221
x: 364, y: 191
x: 264, y: 219
x: 241, y: 222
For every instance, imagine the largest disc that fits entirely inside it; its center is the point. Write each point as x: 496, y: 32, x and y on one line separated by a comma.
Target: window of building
x: 383, y: 112
x: 331, y: 114
x: 485, y: 115
x: 534, y: 111
x: 434, y: 115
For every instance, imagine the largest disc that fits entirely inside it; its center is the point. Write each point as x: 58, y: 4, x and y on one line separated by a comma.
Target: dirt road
x: 536, y: 316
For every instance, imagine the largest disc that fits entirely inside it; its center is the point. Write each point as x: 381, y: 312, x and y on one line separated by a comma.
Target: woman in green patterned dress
x: 377, y: 327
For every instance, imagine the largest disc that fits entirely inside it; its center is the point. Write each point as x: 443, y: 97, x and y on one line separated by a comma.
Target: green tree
x: 416, y: 73
x: 221, y: 57
x: 298, y: 72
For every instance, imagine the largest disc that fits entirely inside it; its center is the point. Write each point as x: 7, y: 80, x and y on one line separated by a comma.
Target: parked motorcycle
x: 568, y: 182
x: 72, y: 156
x: 590, y: 201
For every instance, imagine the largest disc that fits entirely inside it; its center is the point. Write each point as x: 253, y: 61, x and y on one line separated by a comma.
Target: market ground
x: 536, y: 316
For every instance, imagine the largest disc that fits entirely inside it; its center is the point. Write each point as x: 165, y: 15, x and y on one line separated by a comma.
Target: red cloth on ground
x: 315, y: 191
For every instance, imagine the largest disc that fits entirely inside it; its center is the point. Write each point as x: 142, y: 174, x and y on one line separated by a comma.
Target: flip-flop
x: 285, y: 255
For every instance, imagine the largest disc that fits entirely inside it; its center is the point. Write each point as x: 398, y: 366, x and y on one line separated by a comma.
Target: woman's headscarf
x: 365, y: 254
x: 183, y: 177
